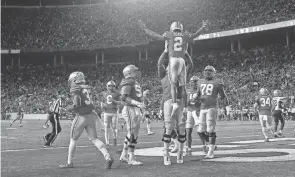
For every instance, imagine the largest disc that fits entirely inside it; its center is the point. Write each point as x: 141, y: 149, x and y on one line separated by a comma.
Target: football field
x: 241, y: 152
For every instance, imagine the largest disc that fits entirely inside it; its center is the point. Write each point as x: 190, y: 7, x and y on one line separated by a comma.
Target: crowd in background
x: 113, y: 24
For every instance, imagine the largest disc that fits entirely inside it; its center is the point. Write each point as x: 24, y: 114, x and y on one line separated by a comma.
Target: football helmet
x: 193, y: 81
x: 111, y: 86
x: 76, y: 77
x: 146, y: 93
x: 277, y: 93
x: 130, y: 71
x: 176, y: 27
x: 263, y: 91
x: 209, y: 72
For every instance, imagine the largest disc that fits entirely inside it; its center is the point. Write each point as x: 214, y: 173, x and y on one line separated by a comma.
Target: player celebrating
x: 131, y: 95
x: 192, y: 114
x: 177, y: 40
x: 208, y: 90
x: 110, y: 106
x: 278, y: 106
x: 84, y: 120
x: 147, y: 115
x: 263, y: 106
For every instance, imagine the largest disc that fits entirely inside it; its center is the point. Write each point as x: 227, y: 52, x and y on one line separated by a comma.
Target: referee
x: 53, y: 117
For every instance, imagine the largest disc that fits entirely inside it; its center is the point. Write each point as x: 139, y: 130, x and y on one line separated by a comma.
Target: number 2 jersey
x: 278, y: 104
x: 264, y: 103
x: 131, y: 89
x: 110, y: 106
x: 86, y: 103
x: 208, y: 91
x: 177, y: 43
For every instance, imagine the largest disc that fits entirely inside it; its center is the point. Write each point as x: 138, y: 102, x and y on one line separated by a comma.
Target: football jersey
x: 177, y: 43
x: 278, y: 103
x: 167, y: 89
x: 135, y: 91
x: 110, y: 106
x: 192, y: 103
x: 84, y: 91
x: 264, y: 103
x: 209, y: 90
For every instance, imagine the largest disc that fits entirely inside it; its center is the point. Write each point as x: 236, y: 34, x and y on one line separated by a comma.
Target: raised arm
x: 150, y: 32
x: 196, y: 34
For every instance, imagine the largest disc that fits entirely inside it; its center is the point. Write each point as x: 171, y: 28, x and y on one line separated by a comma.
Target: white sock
x: 72, y: 149
x: 101, y: 147
x: 148, y: 126
x: 106, y: 135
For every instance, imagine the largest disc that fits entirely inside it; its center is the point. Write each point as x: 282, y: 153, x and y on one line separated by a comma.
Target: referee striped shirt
x: 55, y: 107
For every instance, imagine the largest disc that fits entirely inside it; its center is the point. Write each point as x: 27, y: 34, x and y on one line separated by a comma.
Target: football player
x: 110, y: 104
x: 85, y: 119
x: 263, y: 106
x: 177, y: 43
x: 170, y: 121
x: 278, y: 106
x: 192, y: 114
x: 147, y: 115
x: 132, y: 112
x: 208, y: 90
x: 20, y: 110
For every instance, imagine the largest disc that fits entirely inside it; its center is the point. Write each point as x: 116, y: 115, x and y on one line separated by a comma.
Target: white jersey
x: 278, y: 103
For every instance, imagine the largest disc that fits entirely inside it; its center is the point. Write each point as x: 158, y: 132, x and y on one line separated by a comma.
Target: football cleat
x: 188, y: 152
x: 179, y: 157
x: 124, y: 158
x: 20, y: 125
x: 210, y: 155
x: 46, y: 146
x: 151, y: 133
x: 71, y: 165
x: 109, y: 162
x: 166, y: 157
x: 134, y: 162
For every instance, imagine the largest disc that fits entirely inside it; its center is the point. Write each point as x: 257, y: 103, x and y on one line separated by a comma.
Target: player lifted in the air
x: 278, y: 106
x: 177, y: 44
x: 147, y: 114
x: 110, y: 104
x: 170, y: 121
x: 263, y: 106
x: 193, y: 113
x: 132, y: 112
x: 85, y: 119
x: 208, y: 90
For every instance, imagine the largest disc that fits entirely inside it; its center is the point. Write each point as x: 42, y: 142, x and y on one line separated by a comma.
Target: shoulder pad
x: 127, y: 81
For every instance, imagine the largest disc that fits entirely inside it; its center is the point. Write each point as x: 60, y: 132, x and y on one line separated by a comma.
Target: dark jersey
x: 86, y: 103
x: 193, y: 104
x: 177, y: 46
x: 264, y: 103
x: 208, y: 90
x: 107, y: 99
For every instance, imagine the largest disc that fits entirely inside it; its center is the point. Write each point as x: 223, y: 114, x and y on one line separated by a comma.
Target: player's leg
x: 262, y: 120
x: 181, y: 132
x: 148, y: 125
x: 114, y: 128
x: 189, y: 130
x: 174, y: 139
x: 21, y: 119
x: 282, y: 121
x: 169, y: 127
x: 92, y: 135
x: 268, y: 124
x: 202, y: 130
x: 17, y: 118
x: 58, y: 129
x: 276, y: 123
x: 107, y: 119
x: 211, y: 123
x: 54, y: 133
x: 173, y: 74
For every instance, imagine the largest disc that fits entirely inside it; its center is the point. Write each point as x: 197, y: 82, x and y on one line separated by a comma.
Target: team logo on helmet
x: 263, y: 91
x: 277, y: 93
x: 176, y: 26
x: 209, y: 72
x: 76, y: 78
x: 130, y: 71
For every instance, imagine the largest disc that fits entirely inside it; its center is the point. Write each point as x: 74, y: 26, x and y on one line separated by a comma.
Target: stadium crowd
x: 112, y: 24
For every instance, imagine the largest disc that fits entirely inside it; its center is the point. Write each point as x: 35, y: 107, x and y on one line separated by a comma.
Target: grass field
x: 238, y: 153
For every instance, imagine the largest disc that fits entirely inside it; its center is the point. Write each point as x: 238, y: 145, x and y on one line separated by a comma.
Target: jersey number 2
x: 207, y: 89
x: 88, y: 99
x: 178, y: 44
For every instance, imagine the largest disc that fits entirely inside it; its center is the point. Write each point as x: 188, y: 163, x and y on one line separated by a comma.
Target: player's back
x: 84, y: 91
x: 135, y: 88
x: 177, y: 44
x: 108, y: 96
x: 209, y: 90
x: 264, y: 102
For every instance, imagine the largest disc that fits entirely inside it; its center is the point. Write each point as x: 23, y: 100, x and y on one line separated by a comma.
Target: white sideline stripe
x: 53, y: 148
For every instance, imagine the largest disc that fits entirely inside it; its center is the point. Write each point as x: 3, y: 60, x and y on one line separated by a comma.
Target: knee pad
x: 166, y: 138
x: 131, y: 141
x: 212, y: 137
x: 182, y: 138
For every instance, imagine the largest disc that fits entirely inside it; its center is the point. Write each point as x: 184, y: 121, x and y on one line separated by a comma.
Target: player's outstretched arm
x: 190, y: 65
x: 150, y: 32
x: 196, y: 34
